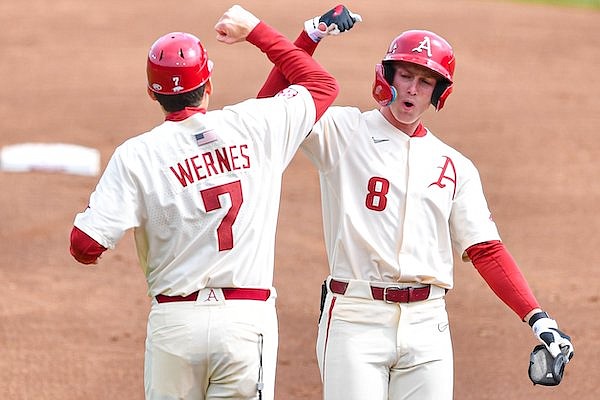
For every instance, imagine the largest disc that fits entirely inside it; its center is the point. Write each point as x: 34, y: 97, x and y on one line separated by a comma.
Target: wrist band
x: 537, y: 316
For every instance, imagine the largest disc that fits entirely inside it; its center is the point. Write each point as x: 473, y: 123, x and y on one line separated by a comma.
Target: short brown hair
x: 177, y: 102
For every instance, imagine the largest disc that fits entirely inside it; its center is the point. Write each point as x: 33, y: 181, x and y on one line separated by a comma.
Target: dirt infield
x: 525, y: 109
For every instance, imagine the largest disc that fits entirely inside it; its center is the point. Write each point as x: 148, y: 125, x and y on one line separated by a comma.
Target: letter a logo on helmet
x: 425, y: 44
x: 177, y: 63
x: 423, y: 48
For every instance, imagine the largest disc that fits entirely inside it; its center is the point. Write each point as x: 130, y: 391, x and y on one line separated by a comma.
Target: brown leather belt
x: 228, y: 293
x: 390, y: 294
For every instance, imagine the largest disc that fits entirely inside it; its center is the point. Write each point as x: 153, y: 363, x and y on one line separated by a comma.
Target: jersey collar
x: 184, y: 114
x: 420, y: 131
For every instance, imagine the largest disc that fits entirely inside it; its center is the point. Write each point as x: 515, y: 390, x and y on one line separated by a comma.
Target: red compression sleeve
x: 296, y: 66
x: 276, y: 81
x: 498, y: 268
x: 83, y: 248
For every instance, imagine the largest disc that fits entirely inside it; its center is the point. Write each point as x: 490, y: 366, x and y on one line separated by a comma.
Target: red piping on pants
x: 327, y: 333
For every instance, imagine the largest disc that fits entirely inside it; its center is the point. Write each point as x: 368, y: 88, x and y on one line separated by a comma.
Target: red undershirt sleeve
x: 83, y: 248
x: 276, y: 81
x: 293, y: 65
x: 500, y: 271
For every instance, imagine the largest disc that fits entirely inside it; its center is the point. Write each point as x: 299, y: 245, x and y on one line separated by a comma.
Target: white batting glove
x: 335, y: 21
x: 546, y: 330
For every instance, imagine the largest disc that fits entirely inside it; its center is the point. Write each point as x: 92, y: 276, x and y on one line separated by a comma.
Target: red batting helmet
x: 177, y: 63
x: 419, y: 47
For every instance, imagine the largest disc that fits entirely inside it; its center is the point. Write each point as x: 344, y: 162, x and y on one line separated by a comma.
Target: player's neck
x: 406, y: 128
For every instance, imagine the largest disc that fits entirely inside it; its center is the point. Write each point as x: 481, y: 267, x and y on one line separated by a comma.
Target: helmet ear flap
x: 440, y: 94
x: 382, y: 91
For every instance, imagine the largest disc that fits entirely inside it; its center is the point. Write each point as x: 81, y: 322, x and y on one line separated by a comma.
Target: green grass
x: 595, y: 4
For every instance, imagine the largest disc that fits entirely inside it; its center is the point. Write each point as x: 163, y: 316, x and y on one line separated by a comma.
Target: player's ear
x: 151, y: 94
x: 208, y: 87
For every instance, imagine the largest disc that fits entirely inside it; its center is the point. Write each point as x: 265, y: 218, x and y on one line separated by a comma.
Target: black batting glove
x: 335, y: 21
x: 341, y: 17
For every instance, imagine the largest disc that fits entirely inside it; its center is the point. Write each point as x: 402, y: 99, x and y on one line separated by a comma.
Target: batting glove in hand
x: 335, y: 21
x: 556, y: 341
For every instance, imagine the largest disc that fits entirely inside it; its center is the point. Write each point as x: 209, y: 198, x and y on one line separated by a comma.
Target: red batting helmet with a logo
x: 177, y: 63
x: 419, y: 47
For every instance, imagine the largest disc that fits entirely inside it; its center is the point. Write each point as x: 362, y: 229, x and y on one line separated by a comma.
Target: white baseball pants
x: 211, y: 348
x: 370, y: 349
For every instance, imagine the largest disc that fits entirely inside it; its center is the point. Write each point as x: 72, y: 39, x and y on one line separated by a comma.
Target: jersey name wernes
x: 202, y: 194
x: 394, y: 207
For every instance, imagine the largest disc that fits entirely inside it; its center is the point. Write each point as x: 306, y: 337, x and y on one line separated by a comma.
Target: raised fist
x: 235, y: 25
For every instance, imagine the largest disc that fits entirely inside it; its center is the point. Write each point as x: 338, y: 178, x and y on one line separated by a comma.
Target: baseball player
x: 396, y: 202
x: 201, y: 192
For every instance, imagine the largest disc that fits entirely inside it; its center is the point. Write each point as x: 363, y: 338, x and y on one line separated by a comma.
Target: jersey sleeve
x: 113, y: 207
x: 331, y: 136
x: 470, y: 219
x: 279, y: 123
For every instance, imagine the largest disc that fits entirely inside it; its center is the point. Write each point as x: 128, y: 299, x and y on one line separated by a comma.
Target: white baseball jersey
x: 194, y: 189
x: 394, y: 206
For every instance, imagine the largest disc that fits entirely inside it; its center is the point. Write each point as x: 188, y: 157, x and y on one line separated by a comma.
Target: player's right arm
x: 83, y: 248
x: 276, y: 81
x: 295, y: 65
x: 112, y: 210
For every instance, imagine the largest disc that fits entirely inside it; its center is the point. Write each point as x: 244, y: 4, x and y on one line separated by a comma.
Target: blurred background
x: 525, y: 109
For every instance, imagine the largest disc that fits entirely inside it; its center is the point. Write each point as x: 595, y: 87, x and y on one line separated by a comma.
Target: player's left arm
x: 502, y: 274
x: 338, y: 19
x: 499, y: 269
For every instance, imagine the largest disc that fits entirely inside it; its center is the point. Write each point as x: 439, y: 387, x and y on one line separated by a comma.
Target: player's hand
x: 333, y: 22
x: 235, y: 25
x: 341, y: 18
x: 546, y: 330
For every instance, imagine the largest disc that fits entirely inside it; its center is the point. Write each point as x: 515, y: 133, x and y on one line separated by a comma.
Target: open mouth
x: 408, y: 104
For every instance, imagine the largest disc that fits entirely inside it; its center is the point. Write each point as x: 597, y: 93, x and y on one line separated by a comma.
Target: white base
x: 50, y: 157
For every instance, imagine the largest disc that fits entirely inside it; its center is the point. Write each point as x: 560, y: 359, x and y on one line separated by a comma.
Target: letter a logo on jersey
x: 424, y: 45
x: 448, y: 173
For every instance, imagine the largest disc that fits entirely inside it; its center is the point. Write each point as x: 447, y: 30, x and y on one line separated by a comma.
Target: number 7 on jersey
x: 210, y: 197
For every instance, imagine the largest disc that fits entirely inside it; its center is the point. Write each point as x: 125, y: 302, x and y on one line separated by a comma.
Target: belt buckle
x: 385, y: 293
